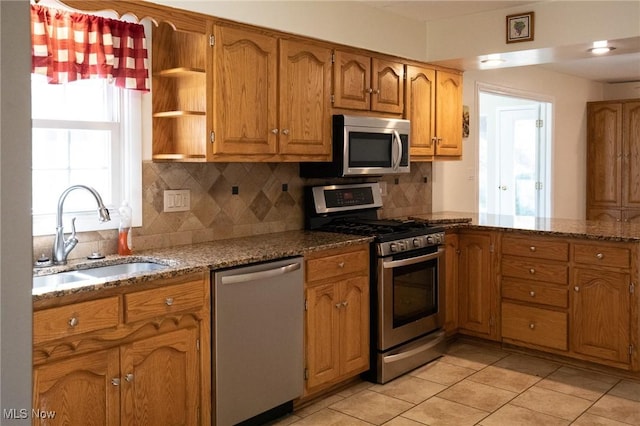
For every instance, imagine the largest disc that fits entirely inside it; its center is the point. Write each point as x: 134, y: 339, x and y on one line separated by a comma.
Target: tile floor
x: 475, y: 384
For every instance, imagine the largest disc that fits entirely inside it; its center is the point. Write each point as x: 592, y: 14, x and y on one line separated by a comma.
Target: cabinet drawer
x: 535, y: 248
x: 535, y: 270
x: 161, y: 301
x: 534, y: 325
x: 78, y: 318
x: 339, y: 264
x: 595, y: 255
x: 532, y: 292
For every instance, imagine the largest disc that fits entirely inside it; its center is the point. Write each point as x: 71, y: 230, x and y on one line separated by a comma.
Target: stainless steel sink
x: 90, y: 275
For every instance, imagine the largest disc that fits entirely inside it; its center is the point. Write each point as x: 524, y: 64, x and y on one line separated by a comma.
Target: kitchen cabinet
x: 337, y: 316
x: 477, y: 293
x: 601, y: 300
x: 434, y: 107
x: 452, y: 253
x: 127, y: 359
x: 613, y: 160
x: 270, y: 106
x: 366, y: 83
x: 534, y: 280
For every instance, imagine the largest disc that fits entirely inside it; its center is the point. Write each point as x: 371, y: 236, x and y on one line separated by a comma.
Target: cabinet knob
x: 338, y: 305
x: 168, y: 301
x: 532, y: 248
x: 532, y: 293
x: 369, y: 90
x: 341, y: 265
x: 129, y: 377
x: 285, y: 131
x: 345, y: 304
x: 532, y: 326
x: 576, y: 288
x: 532, y: 271
x: 115, y: 381
x: 73, y: 322
x: 600, y: 256
x: 274, y: 131
x: 377, y: 91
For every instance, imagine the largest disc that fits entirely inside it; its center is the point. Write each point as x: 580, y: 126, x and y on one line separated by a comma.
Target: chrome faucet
x: 61, y: 246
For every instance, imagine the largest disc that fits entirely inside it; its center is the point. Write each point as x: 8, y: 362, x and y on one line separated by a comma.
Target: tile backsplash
x: 269, y: 199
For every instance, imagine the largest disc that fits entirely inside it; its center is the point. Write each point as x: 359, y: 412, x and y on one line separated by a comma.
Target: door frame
x: 548, y: 128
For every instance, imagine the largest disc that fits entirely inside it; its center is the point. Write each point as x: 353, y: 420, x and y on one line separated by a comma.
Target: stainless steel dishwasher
x: 258, y: 340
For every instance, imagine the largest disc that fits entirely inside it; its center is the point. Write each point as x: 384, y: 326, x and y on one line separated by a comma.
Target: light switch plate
x: 177, y: 200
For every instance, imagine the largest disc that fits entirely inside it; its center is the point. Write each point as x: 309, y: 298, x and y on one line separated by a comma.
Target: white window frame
x: 126, y: 159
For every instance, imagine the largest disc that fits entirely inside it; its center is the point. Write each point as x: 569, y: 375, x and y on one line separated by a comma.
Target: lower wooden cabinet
x: 135, y: 372
x: 337, y: 316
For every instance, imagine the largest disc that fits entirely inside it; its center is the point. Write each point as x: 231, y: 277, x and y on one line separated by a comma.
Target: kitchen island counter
x: 587, y: 229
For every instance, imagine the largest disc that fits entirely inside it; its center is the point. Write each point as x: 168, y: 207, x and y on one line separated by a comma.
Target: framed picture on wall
x: 520, y: 27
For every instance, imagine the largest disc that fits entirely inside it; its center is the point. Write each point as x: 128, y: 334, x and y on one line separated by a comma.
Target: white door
x: 513, y: 161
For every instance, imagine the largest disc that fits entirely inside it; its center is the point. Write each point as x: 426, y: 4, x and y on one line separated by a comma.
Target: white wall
x: 15, y: 210
x: 455, y: 183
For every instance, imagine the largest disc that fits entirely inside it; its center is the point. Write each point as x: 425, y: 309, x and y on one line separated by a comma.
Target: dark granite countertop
x: 595, y: 230
x: 182, y: 260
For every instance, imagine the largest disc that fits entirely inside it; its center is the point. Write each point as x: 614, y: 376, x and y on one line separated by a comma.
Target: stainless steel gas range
x: 407, y: 276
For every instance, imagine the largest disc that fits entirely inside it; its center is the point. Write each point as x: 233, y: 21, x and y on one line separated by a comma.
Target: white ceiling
x: 620, y: 65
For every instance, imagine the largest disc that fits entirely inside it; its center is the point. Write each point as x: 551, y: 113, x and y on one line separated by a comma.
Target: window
x: 84, y: 132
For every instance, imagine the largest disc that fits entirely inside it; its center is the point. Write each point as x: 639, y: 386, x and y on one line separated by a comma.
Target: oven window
x: 414, y: 292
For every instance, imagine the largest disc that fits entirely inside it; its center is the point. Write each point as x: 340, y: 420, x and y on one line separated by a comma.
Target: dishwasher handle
x: 259, y: 275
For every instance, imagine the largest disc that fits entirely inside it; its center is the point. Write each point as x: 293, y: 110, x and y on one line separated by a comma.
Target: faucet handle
x: 72, y: 241
x: 73, y: 229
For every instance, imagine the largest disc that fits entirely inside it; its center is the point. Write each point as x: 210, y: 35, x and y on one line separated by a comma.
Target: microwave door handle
x: 397, y: 152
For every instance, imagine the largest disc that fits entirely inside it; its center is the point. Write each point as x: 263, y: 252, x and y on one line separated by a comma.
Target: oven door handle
x: 413, y: 260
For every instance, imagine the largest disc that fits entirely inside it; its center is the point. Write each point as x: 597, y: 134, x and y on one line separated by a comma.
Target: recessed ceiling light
x: 493, y: 59
x: 601, y: 47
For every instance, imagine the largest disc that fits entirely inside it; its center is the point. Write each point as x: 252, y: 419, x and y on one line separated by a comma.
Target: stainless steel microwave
x: 364, y: 146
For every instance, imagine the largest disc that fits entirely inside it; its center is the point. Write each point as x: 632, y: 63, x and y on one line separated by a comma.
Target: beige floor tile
x: 317, y: 406
x: 590, y: 420
x: 371, y: 407
x: 472, y: 356
x: 442, y: 372
x: 402, y: 421
x: 504, y: 378
x: 409, y: 388
x: 441, y: 412
x: 478, y: 395
x: 355, y: 388
x: 553, y: 403
x: 627, y: 389
x: 327, y: 417
x: 511, y: 415
x: 617, y: 408
x: 528, y: 365
x: 580, y: 383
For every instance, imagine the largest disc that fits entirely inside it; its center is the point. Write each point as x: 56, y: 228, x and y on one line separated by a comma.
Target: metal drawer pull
x: 73, y: 321
x: 532, y: 293
x: 532, y: 248
x: 600, y: 256
x: 532, y: 326
x: 168, y: 301
x: 532, y: 271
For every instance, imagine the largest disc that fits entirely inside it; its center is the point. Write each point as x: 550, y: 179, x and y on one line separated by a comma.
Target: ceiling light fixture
x: 493, y: 59
x: 601, y: 47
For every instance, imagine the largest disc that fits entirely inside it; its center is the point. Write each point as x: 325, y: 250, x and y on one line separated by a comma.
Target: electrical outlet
x: 177, y: 200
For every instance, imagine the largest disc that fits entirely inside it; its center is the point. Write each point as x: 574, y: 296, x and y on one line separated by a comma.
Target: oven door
x: 410, y: 297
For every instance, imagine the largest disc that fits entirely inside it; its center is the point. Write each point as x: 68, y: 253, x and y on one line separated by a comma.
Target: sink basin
x: 91, y: 275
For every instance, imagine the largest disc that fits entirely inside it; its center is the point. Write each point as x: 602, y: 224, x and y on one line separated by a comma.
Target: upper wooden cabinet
x: 362, y: 82
x: 434, y: 107
x: 613, y: 160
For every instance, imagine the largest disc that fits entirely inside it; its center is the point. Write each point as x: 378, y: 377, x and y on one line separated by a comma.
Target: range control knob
x: 393, y: 247
x: 429, y: 239
x: 416, y: 243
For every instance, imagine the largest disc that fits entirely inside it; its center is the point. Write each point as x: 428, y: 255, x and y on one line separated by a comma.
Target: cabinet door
x: 474, y: 283
x: 607, y: 215
x: 322, y: 334
x: 161, y: 379
x: 631, y: 155
x: 604, y: 162
x: 421, y: 98
x: 451, y: 283
x: 600, y: 314
x: 354, y: 325
x: 305, y: 100
x: 449, y: 114
x: 352, y: 81
x: 245, y: 90
x: 387, y: 85
x: 82, y: 390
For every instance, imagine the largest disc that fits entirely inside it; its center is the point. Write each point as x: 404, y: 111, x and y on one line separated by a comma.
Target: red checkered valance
x: 68, y: 46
